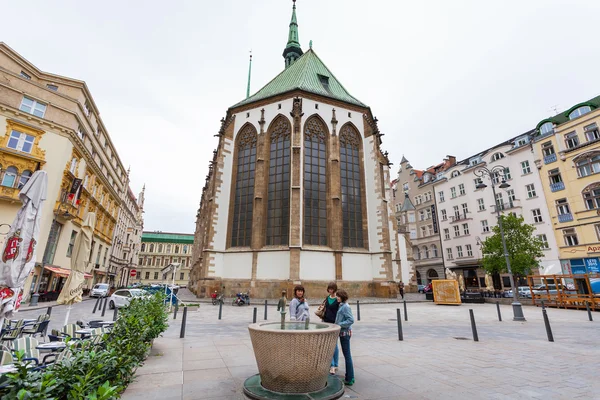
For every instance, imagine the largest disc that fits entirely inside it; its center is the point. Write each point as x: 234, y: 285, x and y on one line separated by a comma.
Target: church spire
x: 249, y: 76
x: 292, y: 51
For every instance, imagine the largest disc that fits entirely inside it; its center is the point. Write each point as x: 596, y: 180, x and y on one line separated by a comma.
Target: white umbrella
x: 18, y: 255
x: 489, y: 283
x: 73, y: 288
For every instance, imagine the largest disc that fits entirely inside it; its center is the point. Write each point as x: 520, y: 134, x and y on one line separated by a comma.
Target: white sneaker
x: 332, y: 370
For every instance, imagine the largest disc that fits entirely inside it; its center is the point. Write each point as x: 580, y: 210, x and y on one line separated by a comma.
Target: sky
x: 443, y: 77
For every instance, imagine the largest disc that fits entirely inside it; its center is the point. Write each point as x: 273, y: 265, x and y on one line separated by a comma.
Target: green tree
x: 524, y: 249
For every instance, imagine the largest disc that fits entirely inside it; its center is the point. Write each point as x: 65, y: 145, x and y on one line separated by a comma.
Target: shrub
x: 94, y: 372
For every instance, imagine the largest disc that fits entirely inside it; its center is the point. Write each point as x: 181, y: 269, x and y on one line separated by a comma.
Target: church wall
x: 357, y: 267
x: 317, y: 265
x: 237, y: 265
x: 222, y: 198
x: 372, y: 194
x: 273, y: 265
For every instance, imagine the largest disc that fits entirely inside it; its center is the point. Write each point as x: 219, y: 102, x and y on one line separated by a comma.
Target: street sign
x: 132, y: 273
x: 169, y: 268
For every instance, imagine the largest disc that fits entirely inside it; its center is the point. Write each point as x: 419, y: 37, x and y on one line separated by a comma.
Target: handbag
x: 321, y: 310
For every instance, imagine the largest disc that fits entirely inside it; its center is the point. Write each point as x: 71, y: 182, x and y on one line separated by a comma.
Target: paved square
x: 512, y: 360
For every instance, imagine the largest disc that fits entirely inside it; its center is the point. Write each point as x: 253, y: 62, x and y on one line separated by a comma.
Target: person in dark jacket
x: 331, y: 309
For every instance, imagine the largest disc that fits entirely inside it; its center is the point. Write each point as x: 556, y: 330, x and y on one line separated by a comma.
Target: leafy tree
x: 524, y: 249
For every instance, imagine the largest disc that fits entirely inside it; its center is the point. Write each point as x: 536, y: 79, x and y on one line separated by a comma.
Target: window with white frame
x: 87, y: 109
x: 571, y: 140
x: 441, y: 195
x: 456, y: 212
x: 434, y: 251
x: 511, y: 195
x: 456, y: 231
x: 484, y: 226
x: 428, y: 213
x: 547, y: 149
x: 411, y: 217
x: 465, y: 209
x: 507, y: 176
x: 459, y: 251
x: 10, y: 177
x: 461, y: 189
x: 454, y: 174
x: 465, y: 229
x: 544, y: 240
x: 496, y: 177
x: 477, y: 182
x: 413, y: 233
x: 428, y: 196
x: 530, y: 190
x: 481, y: 204
x: 554, y: 176
x: 521, y: 142
x: 425, y: 252
x: 497, y: 156
x: 81, y: 132
x: 547, y: 127
x: 73, y: 165
x: 443, y: 215
x: 430, y: 230
x: 453, y: 192
x: 32, y: 106
x: 446, y: 233
x: 562, y: 207
x: 591, y: 132
x: 537, y: 215
x: 588, y: 164
x: 570, y: 237
x: 416, y: 253
x: 24, y: 178
x: 592, y: 199
x: 20, y: 141
x: 525, y: 167
x: 578, y: 112
x: 449, y: 253
x: 421, y: 215
x: 423, y: 231
x: 469, y: 250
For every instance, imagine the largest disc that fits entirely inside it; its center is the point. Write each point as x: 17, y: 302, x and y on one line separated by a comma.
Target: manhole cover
x: 461, y: 338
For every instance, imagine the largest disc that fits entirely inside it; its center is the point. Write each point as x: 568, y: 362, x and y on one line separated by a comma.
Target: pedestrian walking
x: 345, y: 319
x: 401, y: 288
x: 299, y: 306
x: 331, y: 308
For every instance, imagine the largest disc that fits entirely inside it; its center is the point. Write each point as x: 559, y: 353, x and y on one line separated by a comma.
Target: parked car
x: 100, y: 290
x: 122, y: 297
x: 546, y: 289
x: 524, y: 291
x: 421, y: 288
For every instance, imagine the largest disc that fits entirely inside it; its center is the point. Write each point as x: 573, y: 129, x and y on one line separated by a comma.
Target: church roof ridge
x: 305, y: 74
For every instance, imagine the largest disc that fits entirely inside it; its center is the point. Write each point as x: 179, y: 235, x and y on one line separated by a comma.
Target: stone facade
x: 159, y: 250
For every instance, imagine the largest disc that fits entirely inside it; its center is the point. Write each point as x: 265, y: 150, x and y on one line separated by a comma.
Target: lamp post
x: 491, y: 174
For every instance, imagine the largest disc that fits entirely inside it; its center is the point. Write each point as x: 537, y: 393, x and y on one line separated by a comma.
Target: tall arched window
x: 351, y: 186
x: 315, y: 182
x: 151, y: 247
x: 278, y: 194
x: 241, y: 231
x: 24, y: 178
x: 160, y: 248
x: 425, y: 252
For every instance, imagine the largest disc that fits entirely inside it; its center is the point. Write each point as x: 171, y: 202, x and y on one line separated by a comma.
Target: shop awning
x: 100, y: 272
x: 62, y: 272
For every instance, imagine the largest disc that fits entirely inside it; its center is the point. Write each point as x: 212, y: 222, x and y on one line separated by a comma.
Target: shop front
x: 51, y: 282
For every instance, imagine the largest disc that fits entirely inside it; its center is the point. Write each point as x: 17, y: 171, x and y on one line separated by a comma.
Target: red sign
x: 11, y: 250
x: 133, y: 272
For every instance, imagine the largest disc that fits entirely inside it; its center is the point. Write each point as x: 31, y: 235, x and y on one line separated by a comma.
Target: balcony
x: 508, y: 205
x: 565, y: 217
x: 558, y: 186
x: 403, y: 229
x: 550, y: 159
x: 9, y: 193
x: 458, y: 218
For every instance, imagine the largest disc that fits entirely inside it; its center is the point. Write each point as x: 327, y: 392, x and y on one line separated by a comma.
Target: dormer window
x: 497, y: 156
x: 474, y: 161
x: 521, y: 142
x: 324, y: 82
x: 25, y: 75
x: 578, y: 112
x: 426, y: 178
x: 455, y: 174
x: 546, y: 128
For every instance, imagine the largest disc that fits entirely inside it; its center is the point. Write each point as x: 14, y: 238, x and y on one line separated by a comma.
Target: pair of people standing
x: 337, y: 311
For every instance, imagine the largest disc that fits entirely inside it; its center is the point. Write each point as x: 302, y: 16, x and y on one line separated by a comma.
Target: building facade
x: 567, y: 155
x: 296, y: 191
x: 467, y: 213
x: 51, y: 122
x: 416, y: 215
x: 160, y: 249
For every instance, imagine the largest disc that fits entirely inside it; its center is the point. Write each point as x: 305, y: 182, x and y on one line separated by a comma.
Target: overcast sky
x: 443, y: 77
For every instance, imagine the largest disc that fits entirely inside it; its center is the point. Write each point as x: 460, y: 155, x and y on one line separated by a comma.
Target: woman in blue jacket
x: 345, y: 320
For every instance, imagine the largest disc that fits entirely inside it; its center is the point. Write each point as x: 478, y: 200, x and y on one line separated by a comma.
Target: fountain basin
x: 295, y: 359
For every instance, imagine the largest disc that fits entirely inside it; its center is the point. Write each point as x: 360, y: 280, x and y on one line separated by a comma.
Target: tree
x: 524, y: 249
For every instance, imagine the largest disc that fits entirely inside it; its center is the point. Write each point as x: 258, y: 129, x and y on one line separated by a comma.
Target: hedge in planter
x: 93, y: 372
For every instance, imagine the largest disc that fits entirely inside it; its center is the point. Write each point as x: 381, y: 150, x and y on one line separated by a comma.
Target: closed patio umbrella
x: 489, y: 283
x: 18, y: 256
x: 73, y: 288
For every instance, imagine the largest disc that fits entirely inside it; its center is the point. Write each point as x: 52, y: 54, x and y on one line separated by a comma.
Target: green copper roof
x: 159, y: 237
x: 293, y: 37
x: 307, y: 73
x: 564, y: 116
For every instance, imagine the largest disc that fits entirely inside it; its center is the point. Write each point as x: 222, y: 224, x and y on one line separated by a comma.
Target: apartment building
x: 417, y: 217
x: 567, y: 155
x: 467, y: 213
x: 158, y: 250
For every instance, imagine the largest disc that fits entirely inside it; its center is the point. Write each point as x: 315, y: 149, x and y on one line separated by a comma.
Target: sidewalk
x: 46, y: 304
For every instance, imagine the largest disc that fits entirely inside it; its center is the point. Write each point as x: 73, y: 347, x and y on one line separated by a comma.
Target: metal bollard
x: 96, y: 305
x: 587, y: 305
x: 405, y: 312
x: 104, y: 307
x: 220, y: 309
x: 399, y: 319
x: 115, y: 314
x: 358, y: 310
x: 548, y: 328
x: 254, y: 316
x: 265, y: 310
x: 499, y: 314
x: 176, y: 309
x: 473, y: 326
x: 49, y: 312
x: 543, y: 306
x: 183, y: 321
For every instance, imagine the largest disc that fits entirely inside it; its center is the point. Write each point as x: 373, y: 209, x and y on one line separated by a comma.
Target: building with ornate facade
x: 297, y: 191
x: 567, y: 156
x: 158, y: 250
x: 51, y: 122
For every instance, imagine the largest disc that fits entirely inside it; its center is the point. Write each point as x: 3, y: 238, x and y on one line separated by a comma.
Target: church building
x: 297, y: 192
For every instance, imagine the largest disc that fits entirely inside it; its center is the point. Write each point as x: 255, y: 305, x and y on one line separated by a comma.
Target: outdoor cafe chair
x: 28, y: 345
x: 6, y: 358
x: 39, y: 327
x: 10, y: 334
x: 68, y: 331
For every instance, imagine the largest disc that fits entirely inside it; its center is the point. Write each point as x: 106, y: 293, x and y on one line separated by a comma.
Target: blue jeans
x: 345, y: 342
x: 336, y: 356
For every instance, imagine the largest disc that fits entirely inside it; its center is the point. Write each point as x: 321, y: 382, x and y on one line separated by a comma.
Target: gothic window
x: 278, y: 192
x: 315, y: 182
x: 351, y: 187
x: 241, y: 232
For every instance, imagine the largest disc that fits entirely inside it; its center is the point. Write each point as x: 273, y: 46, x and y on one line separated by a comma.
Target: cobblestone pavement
x: 512, y: 360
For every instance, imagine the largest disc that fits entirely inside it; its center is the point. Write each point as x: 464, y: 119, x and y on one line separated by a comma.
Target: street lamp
x: 491, y: 174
